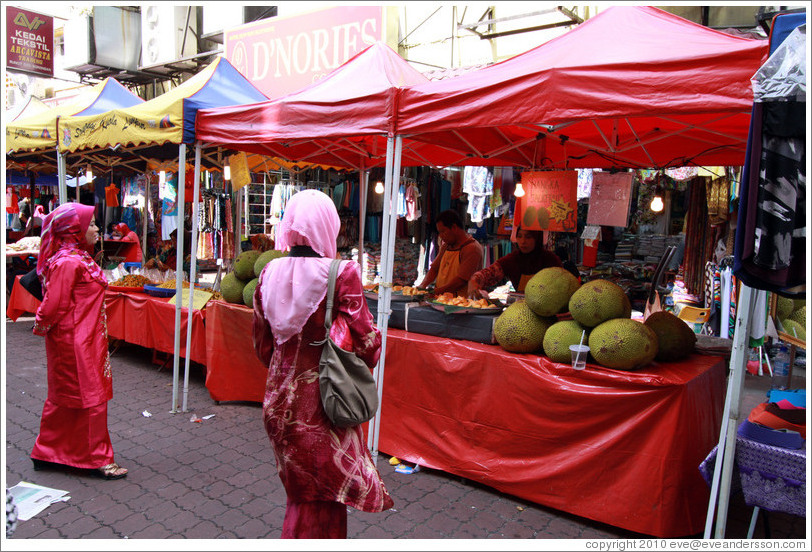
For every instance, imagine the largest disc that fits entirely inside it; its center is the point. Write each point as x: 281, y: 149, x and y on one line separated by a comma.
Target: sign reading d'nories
x: 29, y: 42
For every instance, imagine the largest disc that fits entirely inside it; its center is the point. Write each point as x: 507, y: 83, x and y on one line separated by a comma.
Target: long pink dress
x: 316, y: 460
x: 73, y: 429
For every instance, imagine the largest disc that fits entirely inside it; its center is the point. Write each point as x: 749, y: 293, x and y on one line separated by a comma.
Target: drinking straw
x: 583, y: 333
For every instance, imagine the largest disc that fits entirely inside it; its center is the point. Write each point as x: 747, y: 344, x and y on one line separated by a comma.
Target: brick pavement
x: 217, y: 479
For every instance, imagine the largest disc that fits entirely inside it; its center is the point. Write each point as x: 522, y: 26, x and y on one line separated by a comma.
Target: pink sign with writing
x: 550, y: 201
x: 610, y: 198
x: 280, y: 55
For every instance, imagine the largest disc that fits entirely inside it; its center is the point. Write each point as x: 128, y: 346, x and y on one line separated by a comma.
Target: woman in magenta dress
x: 324, y: 468
x: 73, y: 429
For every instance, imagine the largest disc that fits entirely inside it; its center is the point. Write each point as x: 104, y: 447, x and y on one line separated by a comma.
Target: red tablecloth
x: 621, y: 448
x: 233, y: 371
x: 20, y: 301
x: 149, y: 321
x: 136, y: 318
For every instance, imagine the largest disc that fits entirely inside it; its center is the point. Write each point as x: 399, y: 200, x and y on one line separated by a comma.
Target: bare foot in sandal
x: 111, y: 471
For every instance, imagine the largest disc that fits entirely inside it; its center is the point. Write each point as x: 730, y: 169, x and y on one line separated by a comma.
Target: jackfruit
x: 244, y: 264
x: 623, y: 344
x: 529, y: 218
x: 675, y: 339
x: 543, y: 218
x: 549, y: 290
x: 791, y: 327
x: 248, y: 292
x: 265, y: 258
x: 560, y: 336
x: 799, y: 316
x: 598, y: 301
x: 231, y: 288
x: 783, y: 307
x: 519, y: 330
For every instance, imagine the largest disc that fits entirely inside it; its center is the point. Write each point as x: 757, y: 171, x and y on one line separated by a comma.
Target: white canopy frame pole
x: 179, y: 200
x: 383, y: 314
x: 388, y: 267
x: 146, y: 222
x: 192, y: 275
x: 62, y: 171
x: 363, y: 181
x: 726, y: 450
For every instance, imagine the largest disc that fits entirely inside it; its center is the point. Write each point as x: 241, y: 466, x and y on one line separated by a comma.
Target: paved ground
x: 216, y: 479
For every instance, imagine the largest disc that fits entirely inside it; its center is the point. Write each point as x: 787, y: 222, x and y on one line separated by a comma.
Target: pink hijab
x: 294, y: 287
x: 63, y: 232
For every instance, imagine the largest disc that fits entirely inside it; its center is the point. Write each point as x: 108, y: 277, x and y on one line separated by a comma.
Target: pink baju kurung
x: 73, y: 429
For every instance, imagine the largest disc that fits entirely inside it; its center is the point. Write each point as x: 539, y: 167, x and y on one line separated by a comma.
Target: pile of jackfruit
x: 601, y: 312
x: 238, y: 285
x: 791, y: 315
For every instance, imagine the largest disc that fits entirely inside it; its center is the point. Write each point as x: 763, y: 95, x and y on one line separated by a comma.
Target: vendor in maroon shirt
x: 518, y: 266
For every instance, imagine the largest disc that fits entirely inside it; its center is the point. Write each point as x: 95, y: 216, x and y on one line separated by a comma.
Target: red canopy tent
x: 634, y: 86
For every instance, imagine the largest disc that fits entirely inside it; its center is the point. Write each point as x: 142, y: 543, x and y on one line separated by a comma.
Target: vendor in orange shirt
x: 122, y: 232
x: 459, y: 258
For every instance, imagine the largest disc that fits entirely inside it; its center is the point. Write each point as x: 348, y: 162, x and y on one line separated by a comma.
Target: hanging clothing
x: 770, y: 246
x: 111, y: 195
x: 478, y: 184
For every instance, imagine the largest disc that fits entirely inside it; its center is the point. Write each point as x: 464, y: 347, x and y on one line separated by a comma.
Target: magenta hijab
x: 63, y: 232
x: 294, y: 287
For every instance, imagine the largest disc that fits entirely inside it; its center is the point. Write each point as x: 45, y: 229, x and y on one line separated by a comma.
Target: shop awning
x: 38, y: 132
x: 168, y: 118
x: 634, y: 86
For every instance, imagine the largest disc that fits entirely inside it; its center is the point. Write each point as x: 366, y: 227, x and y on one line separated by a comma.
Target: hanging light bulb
x: 162, y: 177
x: 227, y: 172
x: 379, y: 187
x: 657, y: 203
x: 519, y: 191
x: 89, y: 173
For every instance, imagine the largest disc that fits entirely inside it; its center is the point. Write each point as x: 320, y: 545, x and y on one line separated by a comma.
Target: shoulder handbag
x: 349, y: 395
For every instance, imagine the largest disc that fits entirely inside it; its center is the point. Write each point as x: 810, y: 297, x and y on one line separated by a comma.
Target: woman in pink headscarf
x: 73, y: 429
x: 324, y: 468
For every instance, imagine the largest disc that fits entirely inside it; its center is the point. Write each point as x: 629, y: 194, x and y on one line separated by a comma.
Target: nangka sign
x: 550, y: 201
x: 29, y: 42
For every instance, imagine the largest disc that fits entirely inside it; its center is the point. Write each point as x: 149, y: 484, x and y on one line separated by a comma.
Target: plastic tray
x: 126, y: 288
x: 453, y: 309
x: 156, y: 291
x: 398, y: 297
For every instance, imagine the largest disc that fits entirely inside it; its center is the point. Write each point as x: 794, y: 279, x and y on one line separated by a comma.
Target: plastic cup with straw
x: 579, y: 353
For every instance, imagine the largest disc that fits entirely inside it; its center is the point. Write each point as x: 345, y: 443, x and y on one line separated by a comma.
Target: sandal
x: 110, y: 471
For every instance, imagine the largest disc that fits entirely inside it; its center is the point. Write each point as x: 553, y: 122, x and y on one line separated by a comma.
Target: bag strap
x: 331, y: 288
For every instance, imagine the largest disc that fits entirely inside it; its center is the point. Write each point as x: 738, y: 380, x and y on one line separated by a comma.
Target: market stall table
x: 233, y: 371
x: 20, y: 301
x: 133, y: 317
x: 621, y: 448
x: 149, y: 321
